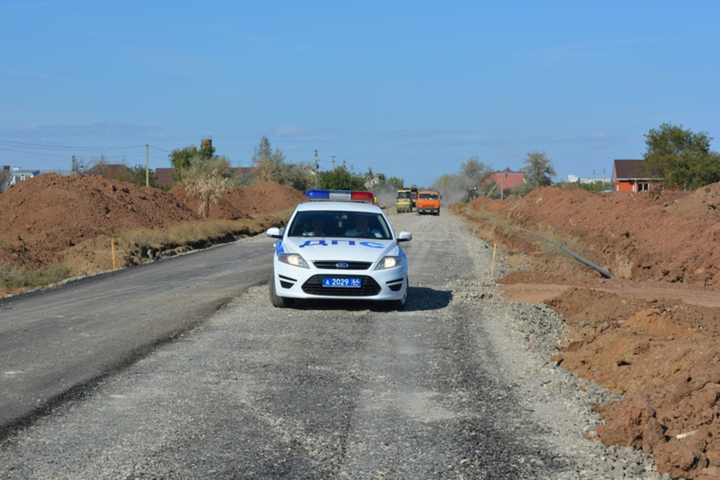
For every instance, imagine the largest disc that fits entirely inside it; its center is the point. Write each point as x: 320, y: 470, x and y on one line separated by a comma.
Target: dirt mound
x: 663, y: 356
x: 665, y: 236
x: 265, y: 197
x: 50, y: 213
x: 652, y: 333
x: 53, y: 218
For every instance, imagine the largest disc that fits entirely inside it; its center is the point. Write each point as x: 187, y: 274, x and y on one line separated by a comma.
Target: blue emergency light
x: 340, y: 195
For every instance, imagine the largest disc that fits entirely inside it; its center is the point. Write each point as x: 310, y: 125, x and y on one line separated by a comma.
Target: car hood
x: 345, y: 249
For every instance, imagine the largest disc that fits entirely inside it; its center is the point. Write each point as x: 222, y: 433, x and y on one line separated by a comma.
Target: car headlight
x: 390, y: 262
x: 292, y: 259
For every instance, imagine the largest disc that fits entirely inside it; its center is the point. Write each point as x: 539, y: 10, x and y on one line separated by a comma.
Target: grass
x: 498, y: 229
x: 13, y: 277
x: 204, y: 231
x: 197, y: 234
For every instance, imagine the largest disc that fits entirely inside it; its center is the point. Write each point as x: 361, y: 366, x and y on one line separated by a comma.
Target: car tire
x: 276, y: 300
x: 400, y: 304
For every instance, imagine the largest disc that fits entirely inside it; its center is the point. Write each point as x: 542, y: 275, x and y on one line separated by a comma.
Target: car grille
x: 313, y: 286
x: 332, y: 265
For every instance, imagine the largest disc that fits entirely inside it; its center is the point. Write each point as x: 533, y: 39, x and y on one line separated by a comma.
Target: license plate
x: 342, y: 282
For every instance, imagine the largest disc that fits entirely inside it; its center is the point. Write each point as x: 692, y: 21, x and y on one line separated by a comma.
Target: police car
x: 339, y: 245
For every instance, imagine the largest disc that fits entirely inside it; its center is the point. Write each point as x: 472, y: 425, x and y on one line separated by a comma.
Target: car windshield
x: 340, y: 224
x: 429, y: 196
x: 403, y: 195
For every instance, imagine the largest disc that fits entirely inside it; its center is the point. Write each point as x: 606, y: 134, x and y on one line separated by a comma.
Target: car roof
x: 338, y: 207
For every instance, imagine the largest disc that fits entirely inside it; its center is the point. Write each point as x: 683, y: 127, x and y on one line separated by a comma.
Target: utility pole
x: 502, y: 193
x: 317, y: 168
x: 333, y: 157
x: 147, y: 165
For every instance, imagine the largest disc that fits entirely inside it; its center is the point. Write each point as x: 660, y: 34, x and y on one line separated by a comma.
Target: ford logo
x: 342, y: 265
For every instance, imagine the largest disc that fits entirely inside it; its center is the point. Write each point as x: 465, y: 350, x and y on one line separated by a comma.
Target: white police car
x: 337, y: 246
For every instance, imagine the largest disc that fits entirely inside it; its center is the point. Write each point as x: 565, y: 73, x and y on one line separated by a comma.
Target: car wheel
x: 276, y: 300
x: 400, y: 304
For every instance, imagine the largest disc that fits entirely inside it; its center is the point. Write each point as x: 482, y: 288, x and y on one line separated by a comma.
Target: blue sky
x: 409, y: 89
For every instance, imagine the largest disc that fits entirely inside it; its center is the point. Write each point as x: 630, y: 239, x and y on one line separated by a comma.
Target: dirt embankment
x: 652, y: 333
x: 53, y: 219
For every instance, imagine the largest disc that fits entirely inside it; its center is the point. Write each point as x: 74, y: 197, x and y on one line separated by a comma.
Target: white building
x: 576, y: 179
x: 18, y: 175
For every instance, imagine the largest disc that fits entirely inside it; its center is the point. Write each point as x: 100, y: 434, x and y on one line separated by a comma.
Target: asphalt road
x: 444, y: 389
x: 56, y: 342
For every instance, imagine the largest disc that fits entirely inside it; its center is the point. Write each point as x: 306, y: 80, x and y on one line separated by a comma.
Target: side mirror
x: 404, y: 237
x: 274, y: 232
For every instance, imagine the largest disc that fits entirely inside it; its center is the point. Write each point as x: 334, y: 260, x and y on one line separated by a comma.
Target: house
x: 507, y: 179
x: 627, y: 176
x: 164, y: 177
x: 17, y: 175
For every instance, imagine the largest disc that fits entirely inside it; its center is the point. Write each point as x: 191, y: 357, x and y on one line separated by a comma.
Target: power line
x: 68, y: 147
x: 36, y: 153
x: 161, y: 149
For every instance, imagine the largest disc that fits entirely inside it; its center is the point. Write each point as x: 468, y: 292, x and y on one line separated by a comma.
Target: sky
x: 410, y: 89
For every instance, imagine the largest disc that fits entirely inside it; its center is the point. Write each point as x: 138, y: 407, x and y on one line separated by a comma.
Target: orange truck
x: 428, y: 201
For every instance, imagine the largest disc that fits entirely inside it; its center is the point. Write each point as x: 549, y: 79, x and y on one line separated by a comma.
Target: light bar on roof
x: 340, y: 195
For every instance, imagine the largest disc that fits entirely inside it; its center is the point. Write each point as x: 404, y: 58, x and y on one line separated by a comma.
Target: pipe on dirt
x: 603, y: 272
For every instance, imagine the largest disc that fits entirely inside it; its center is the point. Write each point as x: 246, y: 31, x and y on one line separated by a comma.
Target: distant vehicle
x: 429, y: 202
x: 404, y: 202
x: 339, y: 246
x: 413, y: 197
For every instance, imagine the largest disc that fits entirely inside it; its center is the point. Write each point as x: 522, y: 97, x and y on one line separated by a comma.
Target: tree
x: 182, y: 159
x: 538, y: 170
x: 471, y: 178
x: 208, y: 181
x: 140, y: 173
x: 341, y: 179
x: 475, y: 170
x: 680, y: 157
x: 396, y: 183
x: 269, y: 166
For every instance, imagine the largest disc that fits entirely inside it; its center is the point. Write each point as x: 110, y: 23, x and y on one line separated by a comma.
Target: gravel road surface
x: 455, y: 386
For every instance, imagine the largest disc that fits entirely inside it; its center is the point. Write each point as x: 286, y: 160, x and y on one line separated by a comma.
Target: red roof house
x: 627, y: 176
x: 163, y: 177
x: 507, y: 179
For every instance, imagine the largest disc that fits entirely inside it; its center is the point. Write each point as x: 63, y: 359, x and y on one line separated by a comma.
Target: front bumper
x: 296, y: 282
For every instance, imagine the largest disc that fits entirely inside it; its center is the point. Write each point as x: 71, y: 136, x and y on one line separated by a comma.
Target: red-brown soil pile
x: 663, y: 356
x: 652, y: 334
x: 665, y: 236
x: 47, y: 214
x: 43, y: 217
x: 266, y: 197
